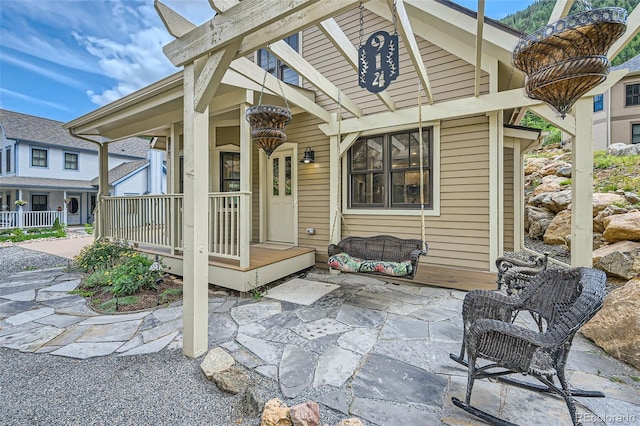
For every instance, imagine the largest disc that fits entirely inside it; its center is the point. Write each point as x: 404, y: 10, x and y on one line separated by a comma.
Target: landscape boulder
x: 306, y: 414
x: 616, y: 327
x: 217, y: 360
x: 622, y: 149
x: 537, y: 219
x: 621, y: 259
x: 550, y: 184
x: 553, y: 201
x: 598, y: 220
x: 276, y: 413
x: 232, y: 380
x: 551, y: 168
x: 559, y: 229
x: 534, y: 164
x: 603, y: 200
x: 632, y: 197
x: 351, y: 422
x: 622, y: 227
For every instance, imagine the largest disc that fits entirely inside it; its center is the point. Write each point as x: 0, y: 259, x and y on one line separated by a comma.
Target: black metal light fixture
x: 309, y: 156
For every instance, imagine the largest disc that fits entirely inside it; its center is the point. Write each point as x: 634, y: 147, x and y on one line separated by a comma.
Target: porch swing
x: 379, y: 254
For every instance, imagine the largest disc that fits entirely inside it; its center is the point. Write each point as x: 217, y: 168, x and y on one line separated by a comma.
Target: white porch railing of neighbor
x: 28, y: 219
x: 157, y: 220
x: 154, y: 220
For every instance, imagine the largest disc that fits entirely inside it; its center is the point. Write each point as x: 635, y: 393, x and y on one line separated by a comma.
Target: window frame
x: 388, y: 204
x: 46, y: 157
x: 1, y: 165
x: 8, y: 160
x: 635, y: 126
x: 634, y: 96
x: 280, y: 67
x: 222, y: 180
x: 34, y: 204
x: 64, y: 161
x: 598, y: 102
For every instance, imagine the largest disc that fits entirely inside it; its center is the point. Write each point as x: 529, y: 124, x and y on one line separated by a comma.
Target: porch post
x: 64, y: 207
x: 173, y: 184
x: 103, y: 189
x: 196, y: 212
x: 582, y: 186
x: 245, y: 187
x: 20, y: 211
x: 335, y: 177
x: 496, y: 151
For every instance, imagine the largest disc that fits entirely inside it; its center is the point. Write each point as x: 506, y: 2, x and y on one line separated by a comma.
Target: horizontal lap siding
x: 508, y: 200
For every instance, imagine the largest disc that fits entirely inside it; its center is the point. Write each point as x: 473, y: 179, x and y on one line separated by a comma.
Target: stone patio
x: 368, y: 348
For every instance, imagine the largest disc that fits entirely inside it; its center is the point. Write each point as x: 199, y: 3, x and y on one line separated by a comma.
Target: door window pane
x: 287, y: 176
x: 73, y: 206
x: 276, y: 176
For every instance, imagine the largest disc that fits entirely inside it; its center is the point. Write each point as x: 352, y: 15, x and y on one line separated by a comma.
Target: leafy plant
x: 132, y: 274
x: 616, y: 379
x: 102, y: 254
x: 88, y: 228
x: 566, y: 182
x: 169, y: 294
x: 255, y: 291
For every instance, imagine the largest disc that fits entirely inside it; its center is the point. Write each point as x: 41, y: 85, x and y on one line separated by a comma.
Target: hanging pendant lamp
x: 567, y: 58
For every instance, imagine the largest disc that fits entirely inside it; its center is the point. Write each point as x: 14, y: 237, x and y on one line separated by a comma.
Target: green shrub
x: 132, y: 274
x: 566, y: 182
x: 88, y: 228
x: 102, y: 254
x: 17, y: 235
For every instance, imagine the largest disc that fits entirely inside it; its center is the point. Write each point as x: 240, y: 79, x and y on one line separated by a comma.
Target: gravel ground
x: 166, y: 388
x: 558, y: 252
x: 15, y: 259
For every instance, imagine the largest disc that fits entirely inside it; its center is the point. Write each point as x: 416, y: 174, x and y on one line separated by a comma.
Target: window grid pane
x: 38, y: 157
x: 633, y: 94
x: 598, y: 103
x: 71, y: 161
x: 38, y: 203
x: 635, y: 133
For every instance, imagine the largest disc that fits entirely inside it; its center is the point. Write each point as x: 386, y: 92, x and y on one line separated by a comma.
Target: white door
x: 73, y: 210
x: 280, y: 207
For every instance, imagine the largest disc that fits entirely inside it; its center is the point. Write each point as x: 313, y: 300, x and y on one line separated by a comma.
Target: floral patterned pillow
x: 346, y: 263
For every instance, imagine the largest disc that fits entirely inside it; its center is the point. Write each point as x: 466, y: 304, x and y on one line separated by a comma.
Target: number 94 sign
x: 378, y: 64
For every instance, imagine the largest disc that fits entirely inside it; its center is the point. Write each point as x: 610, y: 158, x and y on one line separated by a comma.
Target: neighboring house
x: 365, y: 177
x: 52, y: 171
x: 616, y: 113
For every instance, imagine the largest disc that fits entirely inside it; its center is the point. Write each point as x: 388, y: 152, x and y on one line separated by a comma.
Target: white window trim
x: 433, y: 212
x: 300, y: 52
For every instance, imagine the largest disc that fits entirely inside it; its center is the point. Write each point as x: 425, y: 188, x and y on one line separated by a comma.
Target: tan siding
x: 508, y: 200
x: 228, y: 135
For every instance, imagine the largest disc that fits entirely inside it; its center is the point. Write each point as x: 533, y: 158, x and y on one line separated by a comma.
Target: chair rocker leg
x: 545, y: 389
x: 482, y: 415
x: 459, y: 358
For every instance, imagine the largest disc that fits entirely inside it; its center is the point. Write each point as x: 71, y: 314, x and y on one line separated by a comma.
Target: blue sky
x: 60, y: 59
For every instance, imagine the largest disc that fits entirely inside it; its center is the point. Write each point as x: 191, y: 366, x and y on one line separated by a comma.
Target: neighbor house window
x: 384, y: 171
x: 598, y: 103
x: 8, y: 159
x: 276, y: 67
x: 633, y: 94
x: 229, y: 171
x: 635, y: 133
x: 70, y: 161
x: 39, y: 203
x: 38, y: 157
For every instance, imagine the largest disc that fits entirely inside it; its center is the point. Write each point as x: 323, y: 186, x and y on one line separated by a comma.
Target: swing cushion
x: 345, y: 263
x: 379, y: 254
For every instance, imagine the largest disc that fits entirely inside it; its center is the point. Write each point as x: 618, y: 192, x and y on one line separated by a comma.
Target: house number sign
x: 378, y: 65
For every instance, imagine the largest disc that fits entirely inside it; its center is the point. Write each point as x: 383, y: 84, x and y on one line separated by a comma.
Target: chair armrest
x: 334, y: 249
x: 415, y: 255
x: 488, y: 304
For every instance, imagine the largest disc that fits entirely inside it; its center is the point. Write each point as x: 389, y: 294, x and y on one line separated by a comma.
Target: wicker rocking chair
x: 564, y: 299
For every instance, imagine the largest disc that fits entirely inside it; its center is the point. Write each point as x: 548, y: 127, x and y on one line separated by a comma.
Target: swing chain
x: 361, y: 33
x: 395, y: 18
x: 264, y: 79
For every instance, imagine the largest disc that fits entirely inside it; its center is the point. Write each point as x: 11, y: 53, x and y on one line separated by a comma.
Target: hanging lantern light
x: 268, y: 123
x: 567, y: 58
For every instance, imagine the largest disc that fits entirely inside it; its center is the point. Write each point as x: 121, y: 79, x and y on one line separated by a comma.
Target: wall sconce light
x: 309, y: 156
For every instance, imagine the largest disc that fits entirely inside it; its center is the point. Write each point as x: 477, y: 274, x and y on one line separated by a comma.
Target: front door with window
x: 281, y: 207
x: 73, y: 210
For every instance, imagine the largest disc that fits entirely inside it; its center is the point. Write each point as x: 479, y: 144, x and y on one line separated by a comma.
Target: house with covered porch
x: 238, y: 218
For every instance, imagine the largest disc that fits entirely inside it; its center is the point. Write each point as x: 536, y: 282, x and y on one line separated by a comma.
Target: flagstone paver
x: 301, y: 292
x: 366, y: 348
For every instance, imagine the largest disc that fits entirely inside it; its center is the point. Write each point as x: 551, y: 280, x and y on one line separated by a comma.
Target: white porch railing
x: 157, y: 220
x: 28, y: 219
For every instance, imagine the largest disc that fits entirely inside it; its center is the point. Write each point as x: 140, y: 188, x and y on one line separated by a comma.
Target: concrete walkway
x: 366, y: 348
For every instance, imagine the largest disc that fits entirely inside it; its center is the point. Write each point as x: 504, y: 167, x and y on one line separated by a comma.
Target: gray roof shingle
x: 122, y: 170
x: 33, y: 182
x: 633, y: 64
x: 37, y: 129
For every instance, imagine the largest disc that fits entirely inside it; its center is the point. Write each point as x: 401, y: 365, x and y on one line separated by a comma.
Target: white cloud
x: 31, y: 99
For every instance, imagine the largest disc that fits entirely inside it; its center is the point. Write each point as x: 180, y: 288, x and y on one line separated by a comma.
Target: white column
x: 64, y: 207
x: 20, y: 211
x: 335, y: 178
x: 518, y: 202
x: 495, y: 188
x: 173, y: 183
x: 245, y: 186
x: 103, y: 189
x: 196, y: 212
x: 582, y: 186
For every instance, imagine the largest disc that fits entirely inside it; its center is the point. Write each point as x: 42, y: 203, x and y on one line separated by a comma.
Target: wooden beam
x: 347, y: 142
x: 221, y: 6
x: 479, y: 28
x: 255, y: 73
x: 341, y: 42
x: 633, y: 27
x: 560, y: 10
x: 294, y: 60
x: 404, y: 27
x: 175, y: 23
x: 210, y: 78
x: 568, y: 124
x: 222, y: 29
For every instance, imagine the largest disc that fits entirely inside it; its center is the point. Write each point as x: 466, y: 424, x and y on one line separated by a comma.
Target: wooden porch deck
x: 266, y: 265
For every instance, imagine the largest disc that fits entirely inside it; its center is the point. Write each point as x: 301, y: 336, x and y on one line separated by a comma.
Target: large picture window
x: 39, y: 157
x: 278, y: 68
x: 632, y: 94
x: 384, y: 171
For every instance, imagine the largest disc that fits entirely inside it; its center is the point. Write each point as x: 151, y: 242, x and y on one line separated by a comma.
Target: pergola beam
x: 347, y: 142
x: 410, y: 43
x: 294, y: 60
x: 560, y: 10
x: 341, y: 42
x: 633, y: 27
x: 568, y: 124
x: 175, y: 23
x: 479, y: 29
x: 222, y: 29
x: 221, y: 6
x: 211, y: 76
x: 253, y: 72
